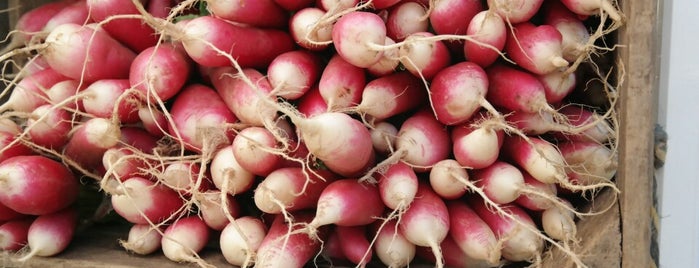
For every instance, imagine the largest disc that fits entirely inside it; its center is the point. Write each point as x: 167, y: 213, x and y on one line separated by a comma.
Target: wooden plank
x: 637, y: 115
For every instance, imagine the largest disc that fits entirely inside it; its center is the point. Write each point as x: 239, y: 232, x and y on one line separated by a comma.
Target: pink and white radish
x: 240, y: 239
x: 109, y: 98
x: 185, y: 177
x: 12, y: 146
x: 262, y: 13
x: 405, y: 19
x: 293, y: 73
x: 51, y: 233
x: 49, y: 126
x: 538, y: 202
x: 452, y: 16
x: 356, y: 35
x: 458, y: 91
x: 294, y: 5
x: 486, y: 27
x: 446, y: 179
x: 69, y: 47
x: 77, y: 13
x: 574, y: 33
x: 537, y: 157
x: 472, y: 234
x: 391, y: 247
x: 160, y: 72
x: 13, y: 234
x: 388, y: 62
x: 257, y: 150
x: 383, y: 136
x: 423, y: 57
x: 515, y: 11
x: 589, y: 8
x: 354, y: 244
x: 477, y: 142
x: 36, y: 185
x: 143, y: 239
x: 305, y: 29
x: 31, y: 22
x: 426, y: 222
x: 347, y: 202
x: 593, y: 162
x: 537, y: 49
x: 312, y: 103
x: 422, y: 141
x: 200, y: 119
x: 558, y: 85
x: 341, y: 83
x: 8, y: 214
x: 132, y: 32
x: 64, y: 92
x: 245, y: 100
x: 291, y: 189
x: 516, y: 90
x: 142, y: 201
x: 284, y: 246
x: 227, y: 175
x: 234, y: 41
x: 398, y: 186
x: 153, y: 120
x: 30, y: 92
x: 184, y: 239
x: 391, y: 95
x: 217, y: 209
x: 90, y: 140
x: 559, y: 223
x: 589, y: 125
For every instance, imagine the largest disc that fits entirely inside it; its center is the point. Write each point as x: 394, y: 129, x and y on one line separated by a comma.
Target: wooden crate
x: 621, y: 237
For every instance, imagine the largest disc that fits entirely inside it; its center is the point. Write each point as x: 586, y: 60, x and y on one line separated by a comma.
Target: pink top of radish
x: 355, y: 33
x: 538, y: 49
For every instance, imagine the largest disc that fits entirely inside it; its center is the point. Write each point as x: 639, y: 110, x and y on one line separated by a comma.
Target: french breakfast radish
x: 516, y: 90
x: 452, y: 16
x: 13, y: 234
x: 12, y: 147
x: 159, y: 72
x: 90, y: 140
x: 227, y: 175
x: 257, y: 151
x: 515, y: 11
x: 486, y: 27
x: 537, y: 202
x: 538, y: 157
x: 240, y: 239
x: 77, y: 13
x: 592, y: 126
x: 422, y: 141
x: 312, y: 103
x: 244, y: 100
x: 458, y: 91
x: 109, y: 98
x: 50, y: 234
x: 423, y: 57
x: 355, y: 36
x: 426, y: 222
x: 8, y: 214
x: 390, y: 246
x: 398, y: 186
x: 49, y: 126
x: 33, y: 21
x: 406, y: 18
x: 593, y: 162
x: 143, y: 239
x: 132, y: 32
x: 284, y: 246
x: 354, y: 244
x: 558, y: 85
x: 291, y: 189
x: 559, y: 224
x: 293, y: 73
x: 304, y: 29
x: 31, y: 91
x: 142, y: 201
x: 573, y: 32
x: 446, y: 179
x: 183, y: 239
x: 261, y: 13
x: 537, y: 49
x: 383, y: 136
x: 586, y: 7
x: 472, y: 234
x: 36, y: 185
x: 347, y: 202
x: 477, y: 142
x: 217, y: 209
x: 391, y: 95
x: 341, y: 84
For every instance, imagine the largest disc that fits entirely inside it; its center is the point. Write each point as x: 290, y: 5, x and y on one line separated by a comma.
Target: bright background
x: 678, y: 113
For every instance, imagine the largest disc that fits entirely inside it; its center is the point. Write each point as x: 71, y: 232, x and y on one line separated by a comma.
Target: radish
x: 537, y: 157
x: 141, y: 201
x: 458, y: 91
x: 537, y: 202
x: 284, y: 246
x: 341, y: 84
x: 406, y: 18
x: 383, y: 137
x: 138, y: 138
x: 521, y: 240
x: 575, y: 35
x: 537, y: 49
x: 355, y: 36
x: 486, y: 27
x: 8, y: 214
x: 110, y: 97
x: 503, y: 183
x: 49, y: 127
x: 32, y: 22
x: 227, y: 175
x: 240, y: 240
x: 452, y: 16
x: 261, y: 13
x: 256, y: 150
x: 51, y: 233
x: 232, y: 43
x: 12, y: 146
x: 291, y: 189
x: 354, y: 244
x: 398, y: 186
x: 446, y: 179
x: 143, y: 239
x: 312, y: 103
x: 200, y: 117
x: 588, y: 8
x: 153, y: 120
x: 307, y: 33
x: 132, y: 32
x: 77, y: 13
x: 423, y: 57
x: 293, y: 73
x: 388, y: 62
x: 332, y: 249
x: 159, y: 72
x: 89, y: 141
x: 294, y: 5
x: 477, y: 142
x: 453, y: 255
x: 591, y: 161
x: 391, y: 247
x: 30, y: 92
x: 64, y: 92
x: 391, y: 95
x: 383, y: 4
x: 516, y: 90
x: 558, y: 85
x: 36, y: 185
x: 9, y: 126
x: 123, y: 163
x: 13, y: 234
x: 69, y: 47
x: 472, y: 234
x: 559, y: 224
x: 184, y: 239
x: 422, y: 141
x: 336, y: 5
x: 245, y: 100
x: 185, y: 177
x: 590, y: 125
x: 347, y: 202
x: 426, y: 222
x: 160, y: 8
x: 533, y: 124
x: 515, y: 11
x: 215, y: 211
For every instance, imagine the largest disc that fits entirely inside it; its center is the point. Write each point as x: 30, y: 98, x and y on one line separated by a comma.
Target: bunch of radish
x: 292, y: 132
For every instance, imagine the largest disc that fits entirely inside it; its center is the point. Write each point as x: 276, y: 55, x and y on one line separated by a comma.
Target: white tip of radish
x: 102, y: 132
x: 241, y: 239
x: 143, y: 239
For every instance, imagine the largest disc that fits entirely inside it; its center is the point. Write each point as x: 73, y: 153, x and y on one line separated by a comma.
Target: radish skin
x: 77, y: 13
x: 354, y: 35
x: 516, y: 90
x: 283, y: 246
x: 426, y: 222
x: 227, y: 175
x: 214, y: 211
x: 423, y: 58
x: 89, y: 141
x: 558, y: 223
x: 184, y: 239
x: 307, y: 33
x: 240, y: 240
x: 110, y: 97
x: 457, y: 92
x: 537, y: 49
x: 593, y: 162
x: 50, y: 234
x: 515, y: 11
x: 541, y: 159
x: 477, y: 146
x: 244, y: 101
x: 260, y: 13
x: 11, y: 147
x: 446, y: 179
x: 383, y: 136
x: 143, y: 239
x: 8, y: 214
x: 347, y: 202
x: 354, y: 244
x: 293, y: 73
x: 132, y: 32
x: 159, y: 72
x: 472, y: 234
x: 391, y: 95
x: 36, y: 185
x: 341, y: 84
x: 256, y: 150
x: 398, y: 186
x: 289, y: 189
x: 52, y: 130
x: 30, y: 93
x: 486, y: 27
x: 13, y: 234
x: 451, y: 16
x: 589, y: 8
x: 405, y: 19
x: 141, y: 201
x: 423, y: 140
x: 391, y: 247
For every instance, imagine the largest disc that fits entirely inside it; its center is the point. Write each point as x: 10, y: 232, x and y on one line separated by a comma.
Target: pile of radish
x: 381, y: 132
